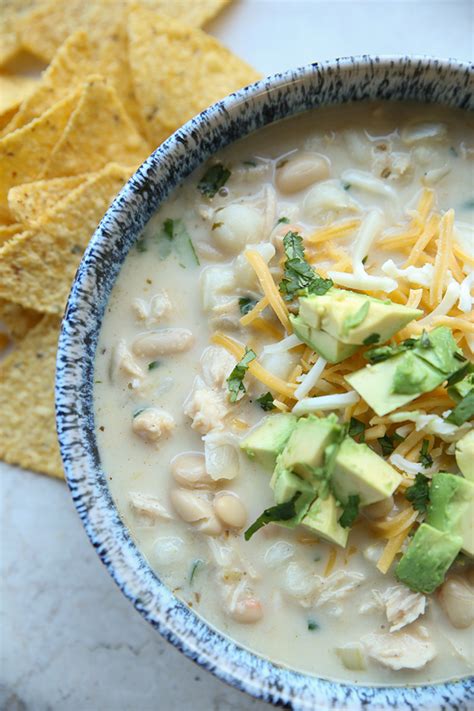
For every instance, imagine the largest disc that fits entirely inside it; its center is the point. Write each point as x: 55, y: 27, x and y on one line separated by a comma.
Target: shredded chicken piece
x: 153, y: 312
x: 338, y: 585
x: 402, y: 606
x: 148, y: 505
x: 309, y: 589
x: 410, y: 649
x: 124, y: 363
x: 206, y: 407
x: 216, y: 365
x: 153, y: 424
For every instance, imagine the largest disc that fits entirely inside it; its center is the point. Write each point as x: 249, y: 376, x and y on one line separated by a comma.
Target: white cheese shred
x: 445, y: 305
x: 325, y: 402
x: 465, y: 299
x: 310, y: 379
x: 286, y: 344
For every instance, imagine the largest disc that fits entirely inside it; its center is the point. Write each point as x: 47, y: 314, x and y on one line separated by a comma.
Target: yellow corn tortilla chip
x: 38, y: 266
x: 194, y: 13
x: 98, y: 131
x: 71, y: 63
x: 12, y: 14
x: 8, y: 231
x: 24, y: 152
x: 27, y: 425
x: 30, y: 201
x: 17, y: 320
x: 14, y: 88
x: 178, y: 71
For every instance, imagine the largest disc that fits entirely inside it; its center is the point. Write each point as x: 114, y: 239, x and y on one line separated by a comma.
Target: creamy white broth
x: 308, y: 610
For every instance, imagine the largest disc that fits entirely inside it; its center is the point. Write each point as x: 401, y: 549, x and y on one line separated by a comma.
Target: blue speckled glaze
x: 427, y: 80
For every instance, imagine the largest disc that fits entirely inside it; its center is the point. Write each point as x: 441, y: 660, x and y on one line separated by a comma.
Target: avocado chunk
x: 352, y: 318
x: 452, y: 508
x: 285, y: 484
x: 305, y: 448
x: 427, y: 559
x: 442, y: 352
x: 375, y: 383
x: 462, y: 388
x: 267, y: 439
x: 360, y: 471
x: 323, y: 519
x: 328, y: 347
x: 464, y: 453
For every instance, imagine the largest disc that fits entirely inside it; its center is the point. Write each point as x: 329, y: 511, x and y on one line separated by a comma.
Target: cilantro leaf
x: 154, y: 364
x: 373, y: 338
x: 350, y: 512
x: 463, y: 411
x: 266, y: 402
x: 280, y: 512
x: 213, y: 179
x: 299, y: 278
x: 283, y: 220
x: 312, y: 625
x: 419, y: 493
x: 196, y: 565
x: 388, y: 443
x: 175, y: 237
x: 426, y: 460
x: 235, y: 383
x: 246, y: 304
x: 381, y: 353
x: 355, y: 319
x: 356, y: 429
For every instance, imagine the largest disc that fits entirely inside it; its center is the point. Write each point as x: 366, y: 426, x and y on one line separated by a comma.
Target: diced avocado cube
x: 441, y: 353
x: 375, y: 383
x: 359, y: 471
x: 328, y: 347
x: 267, y: 439
x: 323, y: 519
x: 429, y: 555
x: 285, y: 484
x: 305, y: 448
x: 351, y: 317
x: 452, y: 508
x: 464, y: 453
x: 462, y: 388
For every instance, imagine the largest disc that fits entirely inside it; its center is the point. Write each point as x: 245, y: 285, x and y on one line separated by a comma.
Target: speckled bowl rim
x: 283, y: 95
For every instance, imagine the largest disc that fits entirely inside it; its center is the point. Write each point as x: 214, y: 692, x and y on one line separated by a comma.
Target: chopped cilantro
x: 346, y: 186
x: 373, y: 338
x: 266, y: 402
x: 141, y: 245
x: 154, y: 364
x: 388, y: 443
x: 356, y: 429
x: 283, y: 220
x: 299, y: 278
x: 280, y: 512
x: 377, y: 355
x: 215, y: 225
x: 138, y: 411
x: 419, y: 493
x: 312, y: 625
x: 174, y: 236
x: 213, y: 179
x: 466, y: 370
x: 195, y: 569
x: 355, y: 319
x: 235, y: 383
x: 246, y: 304
x: 426, y: 460
x: 350, y: 512
x: 463, y: 411
x: 364, y: 261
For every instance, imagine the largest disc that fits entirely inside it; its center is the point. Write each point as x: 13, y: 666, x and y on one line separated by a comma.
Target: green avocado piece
x: 429, y: 555
x: 328, y: 347
x: 360, y: 471
x: 285, y: 484
x: 375, y: 383
x: 451, y: 507
x: 441, y: 353
x: 322, y: 518
x: 461, y: 388
x: 464, y: 453
x: 306, y: 445
x: 265, y: 442
x: 352, y: 318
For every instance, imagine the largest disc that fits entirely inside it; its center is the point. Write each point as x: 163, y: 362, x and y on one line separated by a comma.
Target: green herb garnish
x: 299, y: 278
x: 381, y: 353
x: 283, y: 220
x: 246, y: 304
x: 353, y: 320
x: 174, y: 236
x: 154, y: 364
x: 138, y: 411
x: 426, y: 460
x: 463, y: 411
x: 194, y: 569
x: 356, y: 429
x: 373, y: 338
x: 419, y: 493
x: 388, y: 443
x: 213, y: 179
x: 235, y: 383
x: 141, y: 245
x: 312, y: 625
x: 266, y: 402
x: 350, y: 512
x: 280, y: 512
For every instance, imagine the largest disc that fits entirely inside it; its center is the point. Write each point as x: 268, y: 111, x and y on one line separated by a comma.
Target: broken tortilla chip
x: 23, y: 152
x: 27, y: 426
x: 12, y: 14
x: 17, y: 320
x: 14, y: 88
x: 195, y: 70
x: 98, y: 131
x: 30, y: 201
x: 37, y: 266
x: 71, y: 63
x: 8, y: 231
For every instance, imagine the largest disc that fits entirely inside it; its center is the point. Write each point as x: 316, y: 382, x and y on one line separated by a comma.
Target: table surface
x: 69, y: 640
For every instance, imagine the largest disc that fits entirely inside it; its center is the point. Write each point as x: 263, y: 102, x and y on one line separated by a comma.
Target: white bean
x: 230, y: 509
x: 300, y: 171
x: 456, y: 597
x: 153, y: 424
x: 191, y: 507
x: 163, y: 342
x: 236, y: 226
x: 189, y: 470
x: 211, y: 526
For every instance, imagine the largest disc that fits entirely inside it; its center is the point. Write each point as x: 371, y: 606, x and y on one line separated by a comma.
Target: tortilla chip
x: 17, y: 320
x: 71, y: 63
x: 12, y: 13
x: 98, y: 131
x: 178, y: 71
x: 37, y: 266
x: 14, y: 88
x: 8, y: 231
x: 30, y: 201
x: 27, y: 426
x: 23, y: 153
x: 4, y: 341
x: 195, y: 14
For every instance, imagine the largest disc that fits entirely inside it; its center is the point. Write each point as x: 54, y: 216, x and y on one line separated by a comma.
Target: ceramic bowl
x: 278, y: 97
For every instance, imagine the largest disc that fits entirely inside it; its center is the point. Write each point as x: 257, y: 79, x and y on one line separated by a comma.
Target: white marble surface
x: 69, y: 641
